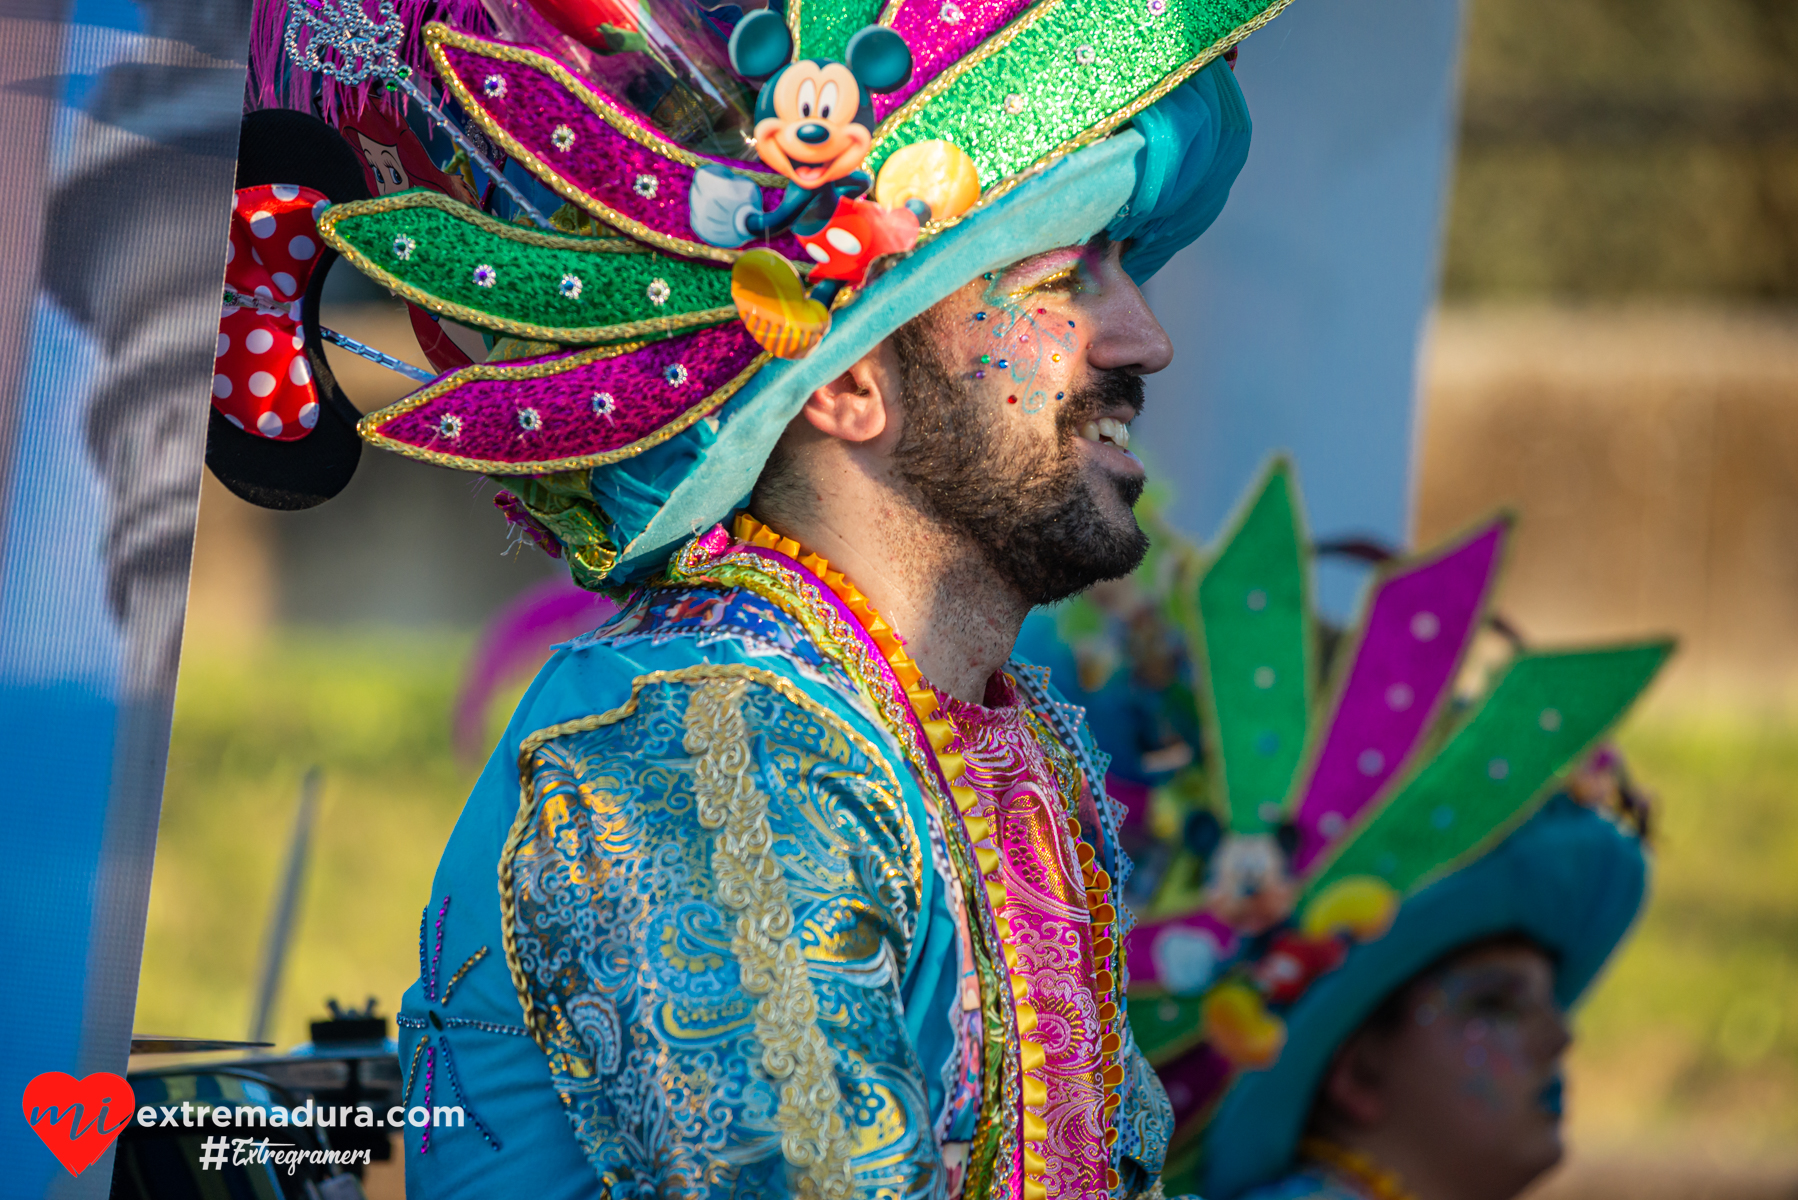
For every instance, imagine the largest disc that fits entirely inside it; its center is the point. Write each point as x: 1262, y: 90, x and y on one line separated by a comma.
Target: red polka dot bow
x: 261, y: 382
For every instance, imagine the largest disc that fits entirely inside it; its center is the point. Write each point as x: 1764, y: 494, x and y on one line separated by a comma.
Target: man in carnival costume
x: 1367, y: 910
x: 787, y: 880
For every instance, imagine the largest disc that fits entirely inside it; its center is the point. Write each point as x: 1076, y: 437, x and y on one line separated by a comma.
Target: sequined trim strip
x: 569, y: 334
x: 1017, y: 1074
x: 462, y: 970
x: 751, y: 883
x: 485, y: 1026
x: 438, y: 35
x: 370, y: 426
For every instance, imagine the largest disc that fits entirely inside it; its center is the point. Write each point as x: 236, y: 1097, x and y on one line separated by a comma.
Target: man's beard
x: 1029, y: 508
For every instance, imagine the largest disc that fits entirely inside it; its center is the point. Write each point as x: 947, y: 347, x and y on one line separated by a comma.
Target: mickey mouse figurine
x: 813, y: 124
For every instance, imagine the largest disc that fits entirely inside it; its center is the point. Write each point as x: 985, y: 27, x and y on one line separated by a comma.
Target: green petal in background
x: 1540, y: 719
x: 1255, y: 643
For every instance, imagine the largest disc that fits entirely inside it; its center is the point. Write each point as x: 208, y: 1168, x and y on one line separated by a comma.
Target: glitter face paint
x: 1461, y: 1083
x: 1027, y: 328
x: 1503, y: 1029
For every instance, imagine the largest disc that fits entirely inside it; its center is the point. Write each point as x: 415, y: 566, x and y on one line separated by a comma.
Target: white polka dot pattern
x: 262, y: 382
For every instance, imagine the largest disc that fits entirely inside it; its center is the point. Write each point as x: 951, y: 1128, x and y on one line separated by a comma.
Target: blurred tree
x: 1628, y: 148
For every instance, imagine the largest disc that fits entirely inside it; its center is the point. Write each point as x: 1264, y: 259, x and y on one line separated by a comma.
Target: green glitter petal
x: 618, y: 279
x: 1255, y: 638
x: 1498, y: 766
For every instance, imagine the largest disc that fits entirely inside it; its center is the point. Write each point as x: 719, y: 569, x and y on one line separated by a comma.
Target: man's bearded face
x: 1046, y: 518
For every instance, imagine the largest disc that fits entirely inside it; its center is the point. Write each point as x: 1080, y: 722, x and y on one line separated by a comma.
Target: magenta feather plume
x: 515, y: 643
x: 274, y: 82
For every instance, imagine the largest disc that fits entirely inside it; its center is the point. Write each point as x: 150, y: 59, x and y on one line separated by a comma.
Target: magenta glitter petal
x: 1418, y: 625
x: 936, y: 44
x: 602, y: 163
x: 487, y: 409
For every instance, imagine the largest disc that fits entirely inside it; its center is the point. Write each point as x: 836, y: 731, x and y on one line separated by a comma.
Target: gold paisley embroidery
x: 752, y: 883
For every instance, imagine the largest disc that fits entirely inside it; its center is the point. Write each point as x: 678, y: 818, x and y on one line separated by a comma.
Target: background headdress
x: 627, y: 405
x: 1365, y: 825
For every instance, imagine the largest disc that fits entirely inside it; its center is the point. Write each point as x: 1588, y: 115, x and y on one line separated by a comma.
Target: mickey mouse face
x: 814, y: 135
x: 813, y: 118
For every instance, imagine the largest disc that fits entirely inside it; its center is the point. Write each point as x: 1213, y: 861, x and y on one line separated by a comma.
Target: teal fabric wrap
x: 1567, y: 878
x: 1195, y: 141
x: 1161, y: 182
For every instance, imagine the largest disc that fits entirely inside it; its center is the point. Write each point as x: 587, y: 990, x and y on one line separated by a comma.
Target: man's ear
x: 1354, y: 1085
x: 854, y: 406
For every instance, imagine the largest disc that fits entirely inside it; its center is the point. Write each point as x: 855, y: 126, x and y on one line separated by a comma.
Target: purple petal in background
x: 515, y: 643
x: 1418, y: 625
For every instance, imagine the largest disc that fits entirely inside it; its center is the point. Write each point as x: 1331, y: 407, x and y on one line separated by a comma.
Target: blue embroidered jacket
x: 694, y: 935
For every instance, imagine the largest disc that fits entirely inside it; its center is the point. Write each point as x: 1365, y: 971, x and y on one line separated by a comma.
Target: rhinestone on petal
x: 1085, y: 55
x: 950, y: 13
x: 1015, y: 103
x: 562, y: 138
x: 604, y: 405
x: 450, y: 426
x: 403, y: 247
x: 493, y: 87
x: 645, y: 185
x: 485, y: 276
x: 658, y: 292
x: 675, y: 374
x: 570, y: 287
x: 529, y: 420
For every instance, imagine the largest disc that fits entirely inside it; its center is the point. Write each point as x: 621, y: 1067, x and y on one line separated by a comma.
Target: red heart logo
x: 72, y: 1115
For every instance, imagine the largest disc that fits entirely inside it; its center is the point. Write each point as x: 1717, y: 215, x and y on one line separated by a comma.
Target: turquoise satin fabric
x: 636, y: 1081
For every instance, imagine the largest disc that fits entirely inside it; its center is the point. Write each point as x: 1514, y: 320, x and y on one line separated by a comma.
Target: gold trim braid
x: 751, y: 882
x: 814, y: 1136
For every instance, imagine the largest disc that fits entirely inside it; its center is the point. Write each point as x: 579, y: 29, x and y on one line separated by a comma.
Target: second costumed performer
x: 788, y: 879
x: 1369, y: 904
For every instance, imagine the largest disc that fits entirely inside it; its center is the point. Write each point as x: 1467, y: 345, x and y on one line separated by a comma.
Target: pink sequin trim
x: 1045, y: 904
x: 521, y: 421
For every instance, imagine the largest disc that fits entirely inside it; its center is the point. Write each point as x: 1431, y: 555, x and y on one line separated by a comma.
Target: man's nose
x: 812, y: 133
x: 1123, y: 334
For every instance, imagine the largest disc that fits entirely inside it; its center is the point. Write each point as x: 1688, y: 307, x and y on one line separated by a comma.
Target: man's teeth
x: 1108, y: 430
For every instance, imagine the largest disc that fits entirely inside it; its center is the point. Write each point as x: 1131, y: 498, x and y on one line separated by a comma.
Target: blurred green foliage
x: 371, y: 710
x: 1618, y: 149
x: 1692, y: 1034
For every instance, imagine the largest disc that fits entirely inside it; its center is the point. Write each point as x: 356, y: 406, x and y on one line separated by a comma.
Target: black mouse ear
x: 280, y: 146
x: 760, y: 44
x: 879, y: 59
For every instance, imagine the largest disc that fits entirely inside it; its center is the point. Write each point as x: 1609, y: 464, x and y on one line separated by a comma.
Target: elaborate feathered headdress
x: 661, y: 329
